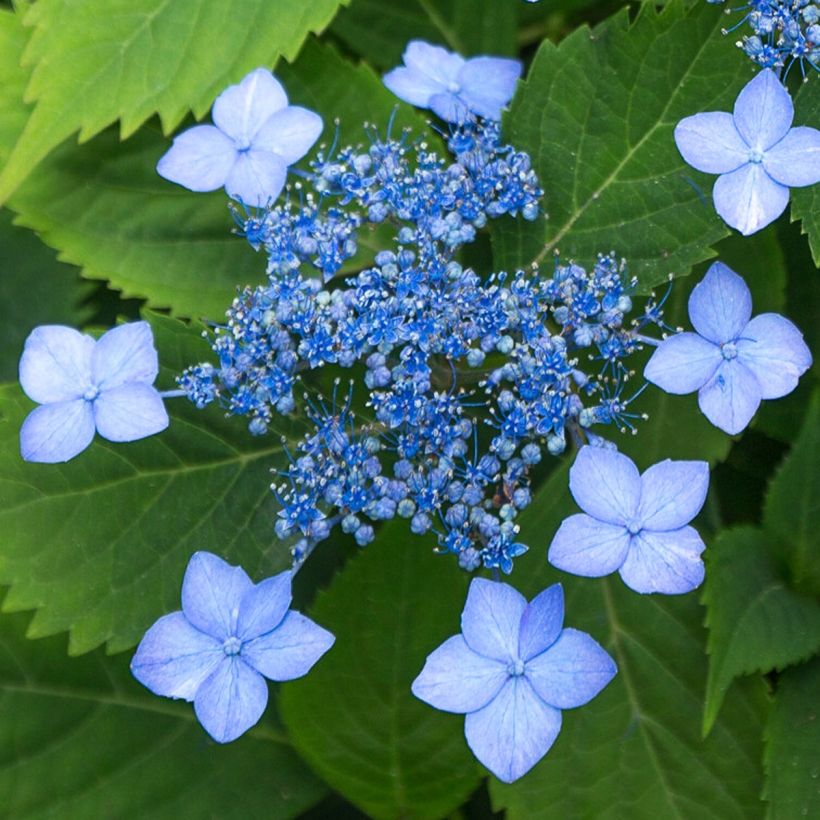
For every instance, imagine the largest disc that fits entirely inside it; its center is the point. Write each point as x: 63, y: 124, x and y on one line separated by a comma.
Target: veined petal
x: 289, y: 133
x: 795, y: 160
x: 586, y: 546
x: 129, y: 413
x: 412, y: 86
x: 749, y: 199
x: 125, y: 354
x: 264, y: 606
x: 572, y: 671
x: 57, y: 432
x: 672, y: 493
x: 290, y: 650
x: 731, y: 397
x: 174, y: 658
x: 763, y: 111
x: 773, y: 349
x: 56, y: 364
x: 488, y: 84
x: 212, y: 591
x: 242, y: 109
x: 434, y: 62
x: 231, y: 700
x: 257, y: 178
x: 541, y: 622
x: 606, y: 484
x: 710, y: 142
x: 720, y: 304
x: 666, y: 562
x: 449, y: 107
x: 456, y: 679
x: 513, y: 731
x: 200, y: 159
x: 683, y: 363
x: 491, y: 619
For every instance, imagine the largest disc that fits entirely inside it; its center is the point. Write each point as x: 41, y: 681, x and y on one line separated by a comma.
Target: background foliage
x: 714, y: 697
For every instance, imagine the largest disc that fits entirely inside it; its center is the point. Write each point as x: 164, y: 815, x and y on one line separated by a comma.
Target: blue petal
x: 264, y: 606
x: 683, y: 363
x: 541, y: 622
x: 231, y: 700
x: 129, y: 413
x: 57, y: 432
x: 672, y: 493
x: 56, y: 364
x: 605, y: 484
x: 488, y: 84
x: 200, y: 159
x: 456, y: 679
x: 710, y: 142
x: 491, y: 619
x: 763, y: 111
x: 666, y: 562
x: 242, y: 109
x: 720, y: 304
x: 773, y: 349
x: 513, y: 731
x: 290, y: 650
x: 449, y: 107
x: 731, y: 397
x: 795, y: 160
x: 586, y: 546
x: 125, y: 354
x: 749, y: 199
x: 289, y: 133
x: 212, y: 591
x: 174, y: 658
x: 412, y: 86
x: 257, y: 178
x: 572, y: 671
x: 435, y: 62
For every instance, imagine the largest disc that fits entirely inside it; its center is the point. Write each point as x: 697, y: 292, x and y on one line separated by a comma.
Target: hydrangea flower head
x: 255, y: 137
x: 757, y: 153
x: 633, y: 523
x: 451, y: 86
x: 84, y: 385
x: 230, y: 635
x: 733, y: 361
x: 511, y: 671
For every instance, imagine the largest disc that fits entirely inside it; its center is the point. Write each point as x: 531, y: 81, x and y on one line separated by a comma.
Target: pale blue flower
x: 451, y: 86
x: 84, y: 385
x: 255, y: 137
x: 230, y: 635
x: 512, y: 670
x: 733, y: 361
x: 633, y: 523
x: 757, y: 153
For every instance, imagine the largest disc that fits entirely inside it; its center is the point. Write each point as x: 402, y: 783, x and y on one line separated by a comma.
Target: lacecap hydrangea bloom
x: 511, y: 671
x: 450, y: 85
x: 85, y: 386
x: 255, y: 137
x: 757, y: 153
x: 635, y: 524
x: 733, y: 361
x: 230, y: 635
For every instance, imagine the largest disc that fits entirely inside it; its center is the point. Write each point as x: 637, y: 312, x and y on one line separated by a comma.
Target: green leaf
x: 597, y: 114
x: 806, y: 201
x: 354, y: 718
x: 99, y: 545
x: 756, y: 623
x: 13, y: 111
x: 80, y: 738
x: 792, y: 509
x: 97, y: 62
x: 792, y: 741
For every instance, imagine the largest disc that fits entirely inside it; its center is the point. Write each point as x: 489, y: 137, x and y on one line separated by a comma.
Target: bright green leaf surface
x: 354, y: 718
x: 81, y: 739
x: 13, y: 112
x: 806, y: 201
x: 756, y: 623
x: 597, y: 114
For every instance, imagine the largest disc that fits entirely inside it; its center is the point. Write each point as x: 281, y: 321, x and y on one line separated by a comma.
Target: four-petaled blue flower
x: 451, y: 86
x: 511, y: 671
x: 230, y: 635
x: 757, y: 153
x: 634, y: 523
x: 731, y: 361
x: 256, y: 136
x: 85, y: 386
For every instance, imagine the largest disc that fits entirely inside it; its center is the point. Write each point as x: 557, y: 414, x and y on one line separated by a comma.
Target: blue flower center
x: 634, y: 526
x: 91, y: 393
x: 243, y: 146
x: 453, y: 88
x: 756, y: 157
x: 232, y: 645
x: 516, y: 668
x: 729, y: 350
